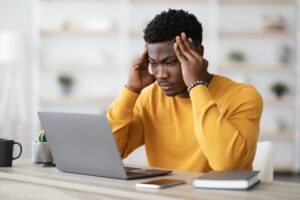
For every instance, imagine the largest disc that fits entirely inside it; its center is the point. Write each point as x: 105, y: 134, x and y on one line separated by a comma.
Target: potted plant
x: 236, y: 56
x: 66, y: 83
x: 279, y: 89
x: 40, y: 150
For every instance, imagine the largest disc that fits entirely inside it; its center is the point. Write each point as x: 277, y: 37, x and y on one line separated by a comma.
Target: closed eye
x: 172, y: 62
x: 153, y: 64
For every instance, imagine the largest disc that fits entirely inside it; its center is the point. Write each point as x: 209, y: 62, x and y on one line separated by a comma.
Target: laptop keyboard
x: 136, y: 171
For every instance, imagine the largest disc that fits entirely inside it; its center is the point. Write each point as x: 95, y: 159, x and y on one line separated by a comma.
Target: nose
x: 162, y: 72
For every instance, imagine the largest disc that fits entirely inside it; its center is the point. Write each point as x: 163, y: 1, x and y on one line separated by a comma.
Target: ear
x: 200, y: 49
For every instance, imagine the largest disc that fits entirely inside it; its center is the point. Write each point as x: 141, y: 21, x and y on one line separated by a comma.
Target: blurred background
x: 74, y: 56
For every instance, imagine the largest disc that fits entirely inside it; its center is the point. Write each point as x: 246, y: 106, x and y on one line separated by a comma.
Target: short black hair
x: 168, y: 24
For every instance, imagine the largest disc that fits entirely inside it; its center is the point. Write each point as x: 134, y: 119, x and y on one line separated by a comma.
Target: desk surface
x: 26, y: 180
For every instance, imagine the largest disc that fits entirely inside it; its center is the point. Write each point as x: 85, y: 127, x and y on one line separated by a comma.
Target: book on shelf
x: 239, y: 180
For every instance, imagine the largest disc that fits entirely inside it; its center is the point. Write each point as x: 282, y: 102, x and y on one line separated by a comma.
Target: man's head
x: 160, y: 36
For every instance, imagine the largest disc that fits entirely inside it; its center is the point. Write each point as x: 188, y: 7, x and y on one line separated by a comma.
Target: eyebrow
x: 165, y: 59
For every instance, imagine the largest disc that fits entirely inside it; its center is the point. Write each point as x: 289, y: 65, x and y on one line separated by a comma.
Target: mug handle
x: 20, y: 150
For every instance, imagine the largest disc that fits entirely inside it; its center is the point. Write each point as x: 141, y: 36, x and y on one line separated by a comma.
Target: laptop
x: 84, y: 144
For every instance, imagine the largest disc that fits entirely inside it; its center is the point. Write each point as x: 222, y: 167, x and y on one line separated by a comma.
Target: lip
x: 166, y: 86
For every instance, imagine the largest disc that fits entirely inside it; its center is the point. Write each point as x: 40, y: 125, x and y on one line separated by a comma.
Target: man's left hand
x: 193, y: 65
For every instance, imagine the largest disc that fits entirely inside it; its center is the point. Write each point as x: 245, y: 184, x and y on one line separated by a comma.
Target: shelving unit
x: 103, y: 60
x: 80, y: 39
x: 262, y: 73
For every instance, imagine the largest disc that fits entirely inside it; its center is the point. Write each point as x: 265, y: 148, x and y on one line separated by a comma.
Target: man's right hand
x: 139, y: 76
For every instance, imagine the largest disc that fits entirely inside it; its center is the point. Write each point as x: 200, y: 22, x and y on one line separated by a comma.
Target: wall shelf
x: 115, y: 1
x: 140, y: 33
x: 258, y: 34
x: 77, y: 65
x: 284, y: 168
x: 277, y: 135
x: 83, y: 32
x: 168, y: 1
x: 272, y: 2
x: 72, y: 99
x: 255, y: 68
x: 284, y: 101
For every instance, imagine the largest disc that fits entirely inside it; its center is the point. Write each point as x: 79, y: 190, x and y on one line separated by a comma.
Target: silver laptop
x: 84, y: 144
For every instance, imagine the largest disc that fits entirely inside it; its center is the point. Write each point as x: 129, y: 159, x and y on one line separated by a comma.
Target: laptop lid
x: 83, y: 144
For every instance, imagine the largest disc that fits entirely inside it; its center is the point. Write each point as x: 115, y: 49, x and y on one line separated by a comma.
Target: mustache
x: 163, y: 83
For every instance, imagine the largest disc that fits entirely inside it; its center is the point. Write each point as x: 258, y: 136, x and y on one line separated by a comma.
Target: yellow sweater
x: 215, y: 129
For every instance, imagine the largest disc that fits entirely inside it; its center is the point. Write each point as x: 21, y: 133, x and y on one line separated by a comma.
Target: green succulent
x: 65, y: 80
x: 42, y: 137
x: 236, y: 56
x: 279, y: 89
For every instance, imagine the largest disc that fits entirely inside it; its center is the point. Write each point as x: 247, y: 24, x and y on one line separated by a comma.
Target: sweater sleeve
x: 126, y: 122
x: 228, y: 139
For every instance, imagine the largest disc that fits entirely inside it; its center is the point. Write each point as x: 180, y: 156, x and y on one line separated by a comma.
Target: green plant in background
x: 65, y: 80
x: 66, y: 83
x: 235, y: 55
x: 42, y: 137
x: 279, y: 89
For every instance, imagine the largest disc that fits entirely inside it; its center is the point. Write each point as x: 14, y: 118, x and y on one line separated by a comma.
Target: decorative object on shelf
x: 41, y: 152
x: 279, y: 89
x: 98, y: 24
x: 66, y: 83
x: 284, y: 54
x: 273, y: 23
x: 66, y: 25
x: 236, y: 56
x: 282, y: 126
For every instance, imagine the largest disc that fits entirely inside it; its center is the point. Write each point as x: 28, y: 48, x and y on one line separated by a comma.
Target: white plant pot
x: 41, y: 152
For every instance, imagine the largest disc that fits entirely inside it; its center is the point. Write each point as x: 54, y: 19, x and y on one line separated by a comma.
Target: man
x: 187, y: 118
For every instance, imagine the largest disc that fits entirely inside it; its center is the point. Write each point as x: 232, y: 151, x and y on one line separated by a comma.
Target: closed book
x: 227, y: 180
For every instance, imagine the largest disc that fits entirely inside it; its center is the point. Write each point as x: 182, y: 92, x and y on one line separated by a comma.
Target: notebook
x: 227, y: 180
x: 84, y: 144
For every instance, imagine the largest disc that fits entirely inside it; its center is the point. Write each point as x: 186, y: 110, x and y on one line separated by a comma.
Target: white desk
x: 26, y: 180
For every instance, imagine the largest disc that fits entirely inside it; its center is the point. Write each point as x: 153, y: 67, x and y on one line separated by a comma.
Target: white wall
x: 17, y: 15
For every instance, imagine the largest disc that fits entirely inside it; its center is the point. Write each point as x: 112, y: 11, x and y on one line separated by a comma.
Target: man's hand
x: 139, y: 76
x: 193, y: 65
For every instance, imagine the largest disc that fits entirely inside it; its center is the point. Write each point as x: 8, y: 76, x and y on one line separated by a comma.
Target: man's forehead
x: 161, y: 45
x: 162, y: 50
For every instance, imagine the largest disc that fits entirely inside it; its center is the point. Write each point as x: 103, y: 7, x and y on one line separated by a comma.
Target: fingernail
x: 177, y: 38
x: 190, y: 39
x: 183, y: 35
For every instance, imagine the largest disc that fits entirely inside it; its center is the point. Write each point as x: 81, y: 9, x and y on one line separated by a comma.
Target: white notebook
x: 227, y: 180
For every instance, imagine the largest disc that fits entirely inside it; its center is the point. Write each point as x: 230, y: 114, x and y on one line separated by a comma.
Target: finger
x: 188, y: 42
x: 178, y: 53
x: 183, y: 48
x: 145, y: 52
x: 143, y: 61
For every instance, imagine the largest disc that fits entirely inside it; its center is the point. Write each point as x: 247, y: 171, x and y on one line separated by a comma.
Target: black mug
x: 6, y: 152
